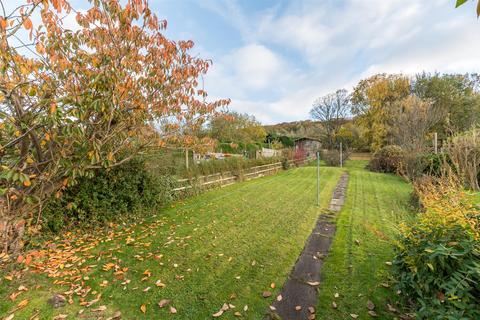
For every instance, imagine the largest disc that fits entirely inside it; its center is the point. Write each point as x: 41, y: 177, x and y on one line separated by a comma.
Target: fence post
x: 341, y: 155
x: 186, y: 158
x: 435, y: 142
x: 318, y: 178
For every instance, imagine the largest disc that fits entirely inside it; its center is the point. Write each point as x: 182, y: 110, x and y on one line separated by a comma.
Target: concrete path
x: 298, y: 297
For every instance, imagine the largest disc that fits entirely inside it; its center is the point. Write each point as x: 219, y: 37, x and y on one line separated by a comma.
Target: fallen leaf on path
x: 313, y: 283
x: 298, y: 308
x: 311, y: 309
x: 279, y: 297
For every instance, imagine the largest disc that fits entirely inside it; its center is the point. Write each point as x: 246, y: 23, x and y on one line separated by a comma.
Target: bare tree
x: 331, y: 110
x: 412, y: 120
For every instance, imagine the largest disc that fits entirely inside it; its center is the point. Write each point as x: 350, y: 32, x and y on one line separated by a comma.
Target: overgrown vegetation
x: 437, y: 265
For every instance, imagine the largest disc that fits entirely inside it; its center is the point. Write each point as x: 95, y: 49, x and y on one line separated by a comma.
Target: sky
x: 273, y: 58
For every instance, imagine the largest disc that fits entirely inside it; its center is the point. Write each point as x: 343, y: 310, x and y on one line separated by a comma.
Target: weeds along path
x: 227, y: 245
x: 357, y: 268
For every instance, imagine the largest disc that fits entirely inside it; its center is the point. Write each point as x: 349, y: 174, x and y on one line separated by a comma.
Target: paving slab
x: 299, y: 293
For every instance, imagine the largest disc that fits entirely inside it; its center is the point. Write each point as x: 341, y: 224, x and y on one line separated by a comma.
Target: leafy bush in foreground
x: 437, y: 262
x: 122, y: 190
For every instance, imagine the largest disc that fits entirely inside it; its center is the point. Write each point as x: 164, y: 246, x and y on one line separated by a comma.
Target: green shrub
x: 437, y: 263
x: 107, y: 195
x: 387, y: 160
x: 438, y: 267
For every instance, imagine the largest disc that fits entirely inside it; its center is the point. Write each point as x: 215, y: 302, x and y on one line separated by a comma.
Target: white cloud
x: 310, y: 48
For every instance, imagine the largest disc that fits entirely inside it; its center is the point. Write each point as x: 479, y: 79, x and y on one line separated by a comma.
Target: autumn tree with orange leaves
x: 75, y: 101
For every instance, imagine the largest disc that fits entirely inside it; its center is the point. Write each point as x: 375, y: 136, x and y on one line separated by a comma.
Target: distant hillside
x: 296, y: 129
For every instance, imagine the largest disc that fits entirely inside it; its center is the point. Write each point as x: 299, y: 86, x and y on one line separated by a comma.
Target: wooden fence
x: 223, y: 179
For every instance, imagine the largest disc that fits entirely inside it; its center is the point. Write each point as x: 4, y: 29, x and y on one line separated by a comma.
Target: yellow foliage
x: 446, y: 202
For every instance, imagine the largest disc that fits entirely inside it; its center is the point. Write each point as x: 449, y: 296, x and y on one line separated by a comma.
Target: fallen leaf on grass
x: 272, y: 285
x: 353, y: 315
x: 100, y: 309
x: 143, y: 308
x: 164, y: 303
x: 159, y: 283
x: 336, y: 295
x: 391, y: 308
x: 22, y: 304
x: 173, y: 310
x: 116, y: 316
x: 237, y: 314
x: 60, y: 317
x: 372, y: 313
x: 334, y: 305
x: 218, y: 314
x: 245, y: 308
x: 10, y: 317
x: 22, y: 288
x: 266, y: 294
x: 370, y: 305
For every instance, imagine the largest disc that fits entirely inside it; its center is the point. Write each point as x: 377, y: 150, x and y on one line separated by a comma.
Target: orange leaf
x: 22, y: 304
x: 27, y: 23
x: 3, y: 23
x: 20, y: 259
x: 143, y: 308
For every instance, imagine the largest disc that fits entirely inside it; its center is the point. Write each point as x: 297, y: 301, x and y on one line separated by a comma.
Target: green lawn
x: 376, y: 204
x: 225, y: 246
